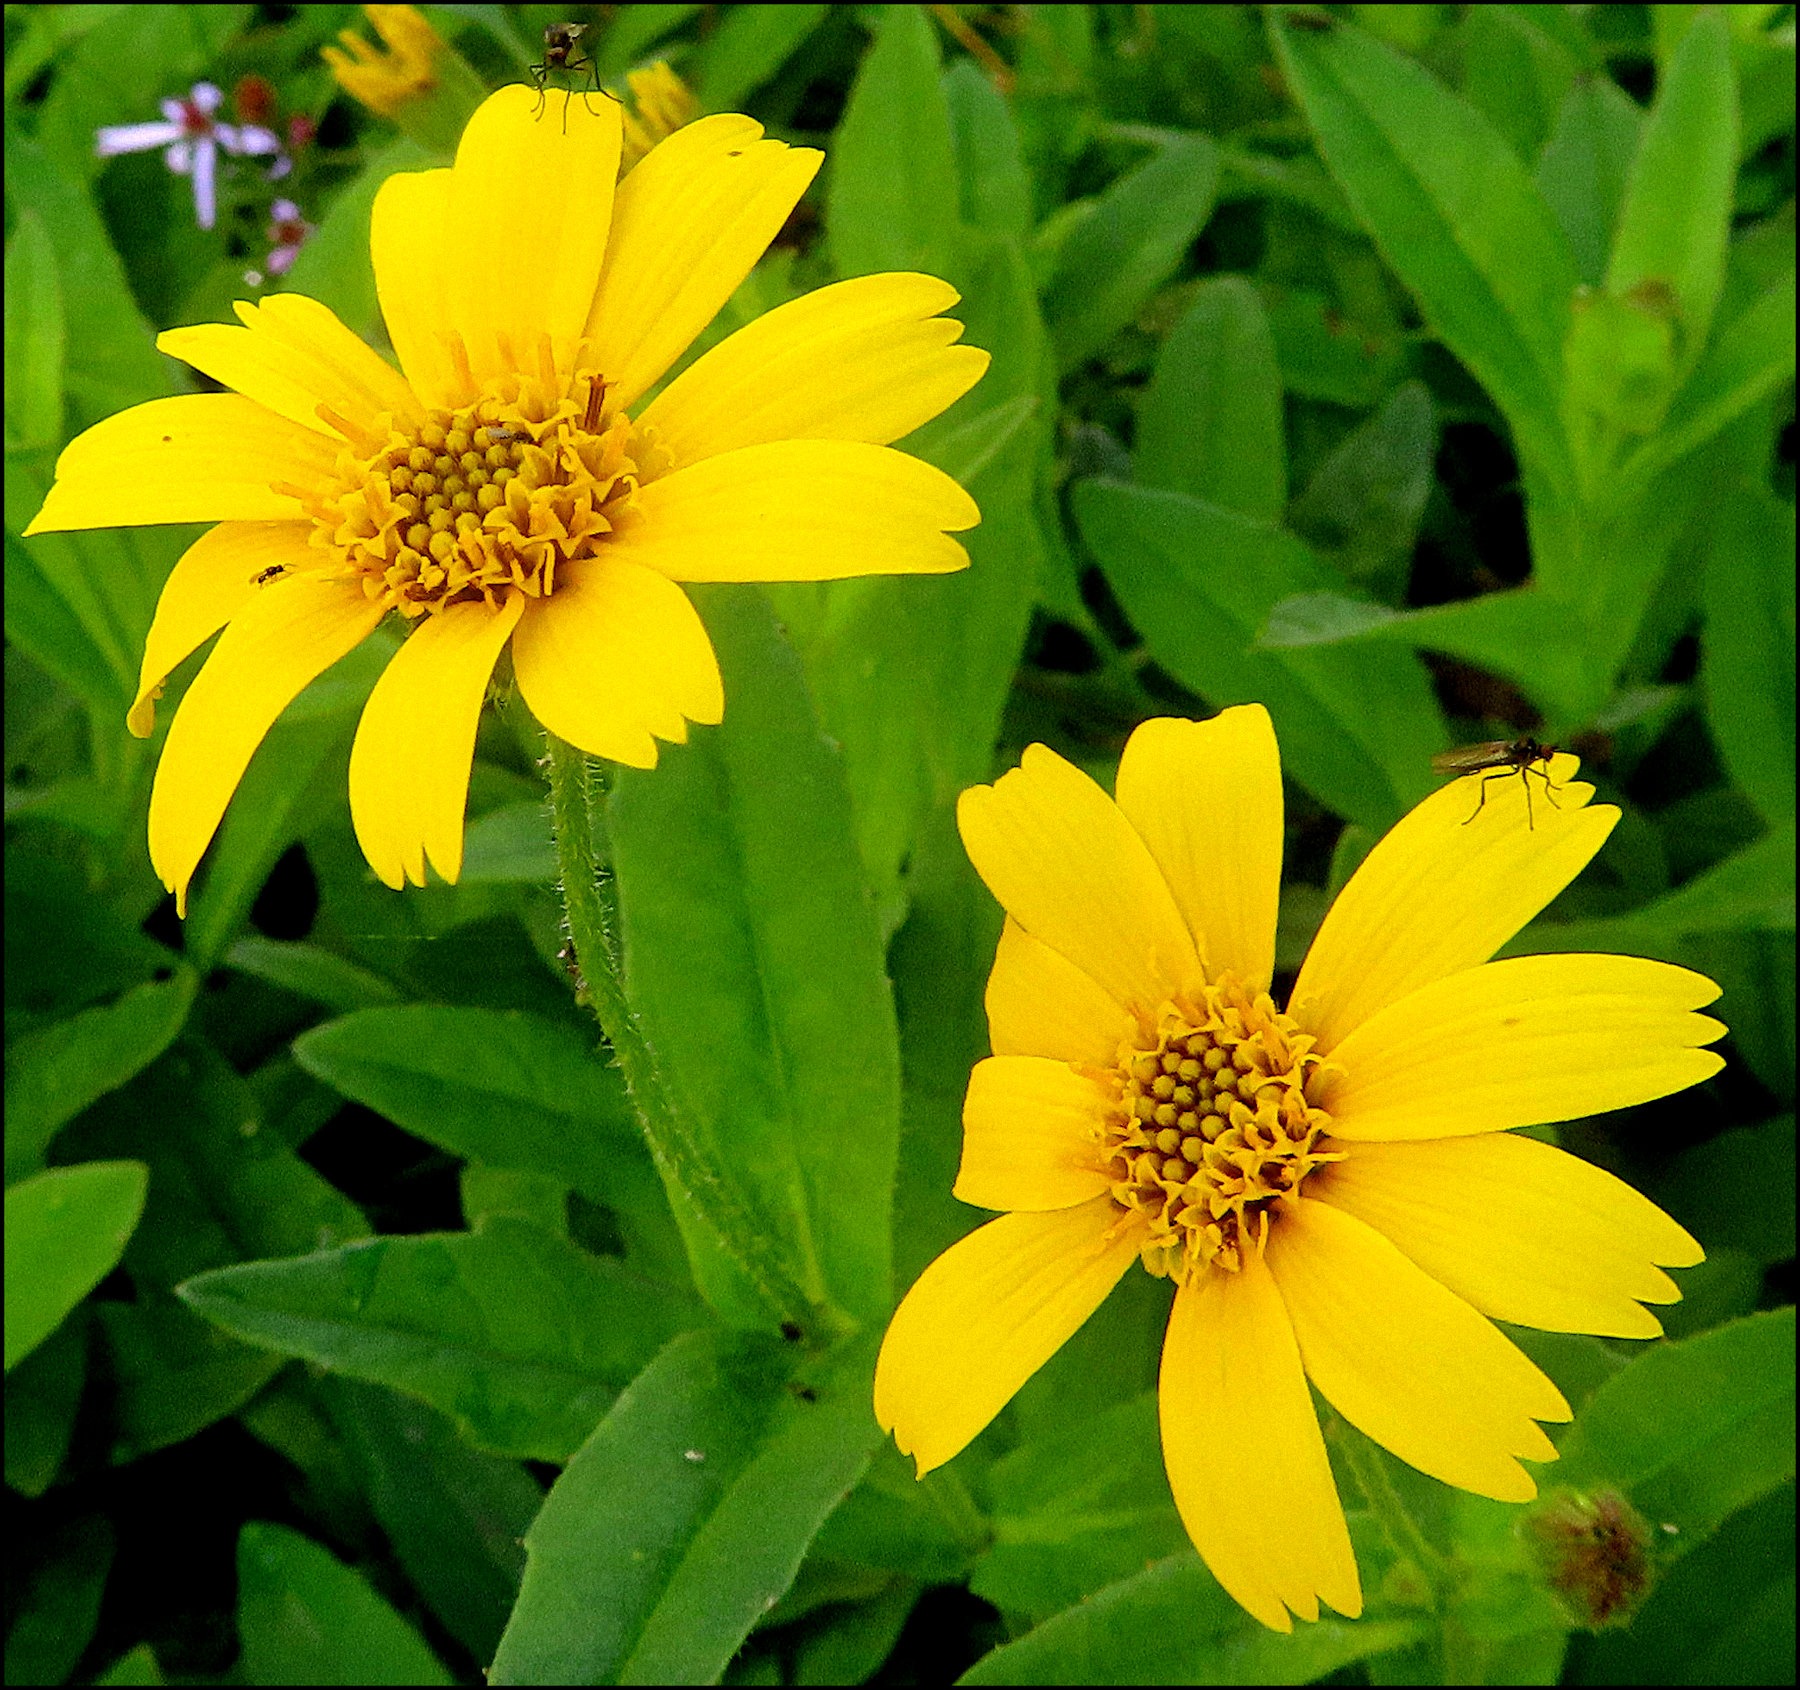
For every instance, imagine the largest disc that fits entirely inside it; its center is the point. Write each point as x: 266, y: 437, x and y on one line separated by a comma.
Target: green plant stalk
x: 577, y: 799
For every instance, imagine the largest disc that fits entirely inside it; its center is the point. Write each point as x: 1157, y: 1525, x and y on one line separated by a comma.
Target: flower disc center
x: 1213, y: 1128
x: 478, y: 503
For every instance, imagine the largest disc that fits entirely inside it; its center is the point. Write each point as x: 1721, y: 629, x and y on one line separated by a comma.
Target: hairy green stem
x: 577, y: 802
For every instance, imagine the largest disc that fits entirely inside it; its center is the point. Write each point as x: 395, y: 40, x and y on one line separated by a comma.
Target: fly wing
x: 1467, y: 759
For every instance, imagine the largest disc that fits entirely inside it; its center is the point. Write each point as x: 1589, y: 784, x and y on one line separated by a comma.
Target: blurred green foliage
x: 1422, y: 372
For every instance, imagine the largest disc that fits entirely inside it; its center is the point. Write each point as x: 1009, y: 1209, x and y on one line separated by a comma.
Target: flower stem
x: 577, y: 800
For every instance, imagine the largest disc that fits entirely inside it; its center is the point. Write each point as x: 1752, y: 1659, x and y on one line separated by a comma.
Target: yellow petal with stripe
x: 292, y: 355
x: 799, y: 510
x: 1206, y: 798
x: 1073, y: 872
x: 200, y: 457
x: 987, y: 1314
x: 213, y: 580
x: 1441, y: 892
x: 867, y: 360
x: 688, y: 224
x: 615, y: 656
x: 1521, y: 1042
x: 414, y: 245
x: 409, y: 766
x: 1040, y: 1004
x: 532, y: 201
x: 291, y: 632
x: 1522, y: 1231
x: 1406, y: 1361
x: 1230, y: 1367
x: 1031, y: 1130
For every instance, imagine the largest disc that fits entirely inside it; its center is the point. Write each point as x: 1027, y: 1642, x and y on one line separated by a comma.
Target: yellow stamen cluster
x: 481, y: 502
x: 1212, y: 1128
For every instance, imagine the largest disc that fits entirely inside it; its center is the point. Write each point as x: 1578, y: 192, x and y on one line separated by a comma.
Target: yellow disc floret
x: 478, y: 503
x: 1212, y: 1128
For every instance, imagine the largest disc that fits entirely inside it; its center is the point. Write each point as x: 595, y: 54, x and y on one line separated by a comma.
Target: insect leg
x: 1496, y: 775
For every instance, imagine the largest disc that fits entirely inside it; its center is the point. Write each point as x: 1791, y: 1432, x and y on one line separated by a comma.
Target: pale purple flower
x: 288, y: 230
x: 191, y: 139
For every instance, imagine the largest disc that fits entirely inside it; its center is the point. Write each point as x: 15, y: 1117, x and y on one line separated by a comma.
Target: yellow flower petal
x: 292, y: 631
x: 532, y: 201
x: 409, y: 767
x: 799, y: 510
x: 293, y: 355
x: 1520, y: 1042
x: 215, y: 578
x: 688, y: 224
x: 866, y: 360
x: 202, y: 457
x: 1031, y: 1135
x: 414, y: 246
x: 1407, y: 1361
x: 1444, y: 890
x: 1071, y: 870
x: 616, y: 655
x: 1041, y: 1004
x: 987, y: 1314
x: 1521, y: 1230
x: 1206, y: 797
x: 1274, y: 1537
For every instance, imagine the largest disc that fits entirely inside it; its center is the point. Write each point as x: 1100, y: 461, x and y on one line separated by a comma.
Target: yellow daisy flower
x: 505, y: 487
x: 1333, y: 1187
x: 402, y: 69
x: 660, y: 104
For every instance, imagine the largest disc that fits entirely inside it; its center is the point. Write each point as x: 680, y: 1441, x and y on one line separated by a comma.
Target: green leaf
x: 892, y: 200
x: 137, y: 1666
x: 996, y: 188
x: 1139, y: 232
x: 512, y: 844
x: 1198, y: 581
x: 519, y: 1336
x: 633, y: 31
x: 1694, y: 1430
x: 1677, y: 211
x: 65, y: 1231
x: 1516, y: 73
x: 53, y: 1610
x: 171, y: 1375
x: 1074, y: 1512
x: 1582, y: 169
x: 685, y: 1515
x: 1453, y: 212
x: 1706, y: 1190
x: 1365, y: 499
x: 311, y: 972
x: 222, y: 1187
x: 42, y: 1395
x: 739, y: 849
x: 454, y: 1516
x: 1172, y: 1624
x: 43, y: 624
x: 499, y: 1087
x: 1749, y: 359
x: 750, y: 45
x: 112, y: 361
x: 1210, y: 422
x: 306, y: 1618
x: 55, y: 1072
x: 36, y: 338
x: 1747, y: 595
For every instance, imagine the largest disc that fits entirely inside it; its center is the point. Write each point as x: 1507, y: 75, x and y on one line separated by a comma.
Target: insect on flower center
x: 495, y: 498
x: 1213, y: 1130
